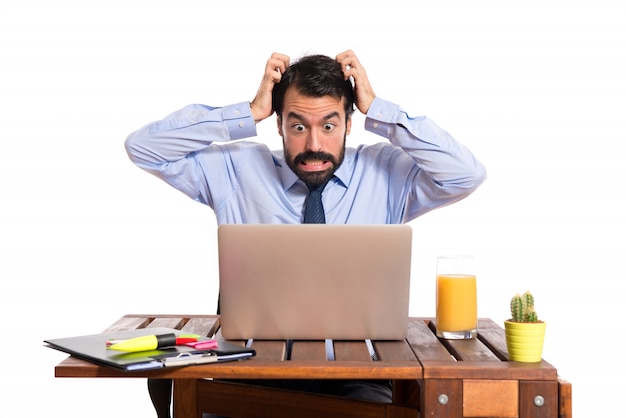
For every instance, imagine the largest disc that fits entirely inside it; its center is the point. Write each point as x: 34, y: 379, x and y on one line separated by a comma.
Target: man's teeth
x: 314, y: 162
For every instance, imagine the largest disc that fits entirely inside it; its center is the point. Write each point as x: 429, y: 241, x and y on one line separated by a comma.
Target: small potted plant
x: 524, y: 331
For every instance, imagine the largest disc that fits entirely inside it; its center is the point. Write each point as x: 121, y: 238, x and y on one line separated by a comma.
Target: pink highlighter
x: 202, y: 345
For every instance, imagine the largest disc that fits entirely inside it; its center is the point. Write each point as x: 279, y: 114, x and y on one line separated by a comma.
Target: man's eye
x: 298, y: 127
x: 329, y: 127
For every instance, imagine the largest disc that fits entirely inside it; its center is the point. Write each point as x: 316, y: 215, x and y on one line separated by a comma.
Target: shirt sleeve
x: 188, y: 130
x: 169, y: 148
x: 440, y: 171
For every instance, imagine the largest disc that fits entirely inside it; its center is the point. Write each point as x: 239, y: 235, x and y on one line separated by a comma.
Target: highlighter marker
x: 145, y: 343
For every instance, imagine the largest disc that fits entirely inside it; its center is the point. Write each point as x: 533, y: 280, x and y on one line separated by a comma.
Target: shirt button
x: 241, y: 124
x: 237, y: 112
x: 375, y: 125
x: 379, y: 115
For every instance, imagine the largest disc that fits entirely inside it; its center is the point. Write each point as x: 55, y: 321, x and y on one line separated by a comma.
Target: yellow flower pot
x: 524, y: 340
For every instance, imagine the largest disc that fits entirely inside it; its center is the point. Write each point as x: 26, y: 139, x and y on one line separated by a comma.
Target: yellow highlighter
x: 150, y: 342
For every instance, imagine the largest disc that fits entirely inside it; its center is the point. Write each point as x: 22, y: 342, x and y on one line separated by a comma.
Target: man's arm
x: 195, y: 127
x: 178, y: 149
x: 447, y: 161
x: 443, y: 170
x: 186, y: 131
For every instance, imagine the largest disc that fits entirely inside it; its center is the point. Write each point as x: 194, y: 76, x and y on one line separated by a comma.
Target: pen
x: 150, y: 342
x: 185, y: 359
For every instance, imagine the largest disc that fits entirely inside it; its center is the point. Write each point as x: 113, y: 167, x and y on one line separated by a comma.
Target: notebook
x: 93, y: 348
x: 314, y: 281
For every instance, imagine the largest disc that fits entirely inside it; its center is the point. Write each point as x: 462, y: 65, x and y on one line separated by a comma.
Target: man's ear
x: 348, y: 124
x: 279, y: 125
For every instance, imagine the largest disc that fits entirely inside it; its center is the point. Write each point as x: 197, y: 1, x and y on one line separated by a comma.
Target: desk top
x: 421, y: 356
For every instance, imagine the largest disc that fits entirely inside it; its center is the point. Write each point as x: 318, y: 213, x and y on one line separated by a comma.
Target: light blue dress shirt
x: 200, y: 151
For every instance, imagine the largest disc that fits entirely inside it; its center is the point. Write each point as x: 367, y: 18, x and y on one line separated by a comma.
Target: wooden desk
x: 440, y: 378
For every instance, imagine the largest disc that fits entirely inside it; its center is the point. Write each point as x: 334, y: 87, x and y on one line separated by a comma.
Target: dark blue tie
x: 313, y: 208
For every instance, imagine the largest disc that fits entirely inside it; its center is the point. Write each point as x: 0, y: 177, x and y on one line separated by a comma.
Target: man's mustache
x: 314, y: 155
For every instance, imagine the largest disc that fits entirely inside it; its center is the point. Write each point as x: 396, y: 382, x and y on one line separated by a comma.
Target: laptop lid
x: 314, y: 281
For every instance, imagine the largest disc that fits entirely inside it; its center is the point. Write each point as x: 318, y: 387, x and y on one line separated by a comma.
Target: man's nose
x: 313, y: 142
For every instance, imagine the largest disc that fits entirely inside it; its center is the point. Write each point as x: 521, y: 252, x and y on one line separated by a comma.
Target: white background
x: 536, y: 91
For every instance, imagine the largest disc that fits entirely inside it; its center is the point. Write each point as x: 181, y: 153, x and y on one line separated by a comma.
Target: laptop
x: 314, y: 281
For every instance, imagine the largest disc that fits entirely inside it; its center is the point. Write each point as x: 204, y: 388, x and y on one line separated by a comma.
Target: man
x: 420, y: 168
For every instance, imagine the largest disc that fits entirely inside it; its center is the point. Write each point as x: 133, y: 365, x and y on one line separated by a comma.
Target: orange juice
x: 456, y: 304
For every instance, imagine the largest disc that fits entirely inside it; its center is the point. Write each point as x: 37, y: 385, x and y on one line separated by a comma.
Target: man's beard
x: 316, y: 178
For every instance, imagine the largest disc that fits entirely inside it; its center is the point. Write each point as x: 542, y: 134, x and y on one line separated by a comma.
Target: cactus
x: 523, y: 308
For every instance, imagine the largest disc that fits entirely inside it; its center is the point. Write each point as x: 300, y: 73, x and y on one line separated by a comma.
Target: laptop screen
x: 314, y: 281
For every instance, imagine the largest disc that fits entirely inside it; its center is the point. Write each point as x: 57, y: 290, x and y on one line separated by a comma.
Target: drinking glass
x: 457, y: 315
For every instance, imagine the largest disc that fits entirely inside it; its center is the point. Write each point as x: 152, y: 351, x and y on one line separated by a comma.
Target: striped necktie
x: 313, y: 208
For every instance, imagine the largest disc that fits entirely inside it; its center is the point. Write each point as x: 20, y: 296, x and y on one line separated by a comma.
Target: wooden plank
x: 205, y: 327
x: 424, y: 343
x: 185, y: 396
x: 269, y: 350
x: 224, y: 398
x: 351, y: 351
x: 400, y: 411
x: 406, y: 392
x: 308, y: 351
x: 394, y: 350
x: 442, y: 398
x: 126, y: 323
x: 490, y: 398
x: 148, y: 315
x: 74, y: 367
x: 253, y: 369
x: 538, y: 399
x: 565, y: 398
x: 492, y: 335
x: 488, y: 370
x: 319, y: 370
x: 470, y: 350
x: 169, y: 322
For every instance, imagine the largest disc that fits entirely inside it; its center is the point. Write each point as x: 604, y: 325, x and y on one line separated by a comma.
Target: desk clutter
x: 435, y: 376
x: 149, y: 348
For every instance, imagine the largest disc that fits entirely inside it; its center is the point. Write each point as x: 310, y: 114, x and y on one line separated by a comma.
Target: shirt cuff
x: 379, y: 116
x: 382, y: 115
x: 239, y: 121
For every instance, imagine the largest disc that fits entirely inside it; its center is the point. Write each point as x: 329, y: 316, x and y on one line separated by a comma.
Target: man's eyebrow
x: 294, y: 115
x: 332, y: 115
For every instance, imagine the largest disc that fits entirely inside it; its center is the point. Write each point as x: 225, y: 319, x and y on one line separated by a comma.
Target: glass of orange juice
x: 457, y: 315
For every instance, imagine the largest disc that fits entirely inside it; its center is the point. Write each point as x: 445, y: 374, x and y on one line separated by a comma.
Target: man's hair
x: 314, y: 76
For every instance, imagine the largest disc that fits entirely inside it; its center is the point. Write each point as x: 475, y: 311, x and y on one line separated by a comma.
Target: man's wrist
x: 239, y: 120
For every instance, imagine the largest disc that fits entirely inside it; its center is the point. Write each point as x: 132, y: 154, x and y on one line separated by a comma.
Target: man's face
x: 314, y: 131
